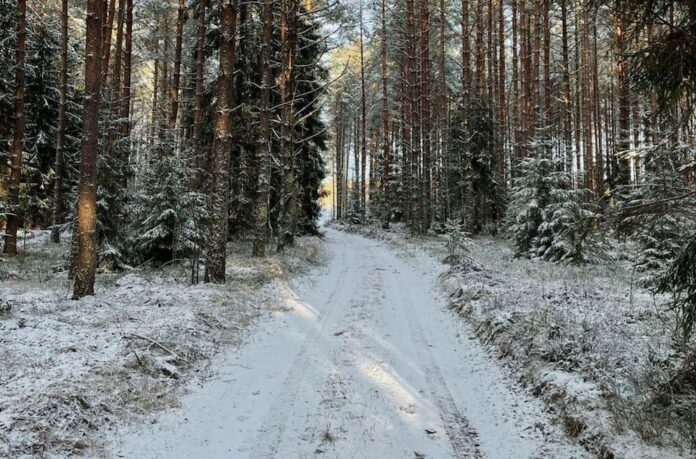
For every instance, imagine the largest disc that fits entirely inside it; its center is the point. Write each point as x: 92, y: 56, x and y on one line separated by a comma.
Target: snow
x: 361, y: 355
x: 69, y: 370
x: 581, y: 338
x: 361, y: 359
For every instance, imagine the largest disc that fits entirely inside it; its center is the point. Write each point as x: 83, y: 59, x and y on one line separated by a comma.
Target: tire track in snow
x: 461, y: 435
x: 271, y: 431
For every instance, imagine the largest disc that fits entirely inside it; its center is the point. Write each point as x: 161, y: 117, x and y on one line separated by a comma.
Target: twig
x: 156, y: 343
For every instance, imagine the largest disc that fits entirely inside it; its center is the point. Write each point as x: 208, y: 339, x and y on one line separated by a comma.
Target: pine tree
x: 220, y: 164
x: 86, y: 221
x: 548, y: 218
x: 13, y: 210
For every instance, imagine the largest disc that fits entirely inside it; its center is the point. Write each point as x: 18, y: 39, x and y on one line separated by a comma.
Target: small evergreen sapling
x: 548, y: 218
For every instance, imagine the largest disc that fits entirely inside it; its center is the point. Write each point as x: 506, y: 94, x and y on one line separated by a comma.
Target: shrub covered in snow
x: 548, y: 218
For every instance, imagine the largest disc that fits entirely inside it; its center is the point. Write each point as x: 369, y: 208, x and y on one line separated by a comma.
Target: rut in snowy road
x: 362, y: 361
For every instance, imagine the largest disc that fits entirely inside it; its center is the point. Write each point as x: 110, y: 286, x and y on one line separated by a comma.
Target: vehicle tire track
x: 461, y: 435
x: 271, y: 431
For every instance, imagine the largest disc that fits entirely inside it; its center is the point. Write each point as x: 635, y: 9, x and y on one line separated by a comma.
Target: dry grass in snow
x: 69, y: 370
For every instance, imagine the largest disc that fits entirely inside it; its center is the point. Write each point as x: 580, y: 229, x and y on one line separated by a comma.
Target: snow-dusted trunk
x: 288, y: 189
x: 10, y: 248
x: 85, y: 263
x: 363, y: 122
x: 60, y: 140
x: 155, y: 106
x: 622, y: 173
x: 109, y: 12
x: 264, y: 142
x: 566, y: 94
x: 424, y: 80
x: 502, y: 105
x: 200, y: 67
x: 220, y: 167
x: 174, y: 96
x: 386, y: 207
x: 115, y: 103
x: 126, y: 100
x: 338, y: 162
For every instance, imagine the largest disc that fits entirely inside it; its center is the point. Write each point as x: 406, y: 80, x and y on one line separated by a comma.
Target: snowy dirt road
x: 361, y: 360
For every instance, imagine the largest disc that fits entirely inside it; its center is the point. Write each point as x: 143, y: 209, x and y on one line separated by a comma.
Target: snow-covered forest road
x: 362, y: 359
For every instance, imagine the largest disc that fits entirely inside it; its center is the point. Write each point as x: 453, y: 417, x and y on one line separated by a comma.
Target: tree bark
x: 220, y: 170
x: 174, y: 96
x: 109, y: 10
x: 126, y: 100
x: 286, y: 83
x: 622, y: 173
x: 60, y: 141
x: 565, y: 95
x: 200, y: 68
x: 86, y: 229
x: 386, y: 207
x: 363, y: 125
x: 264, y: 143
x: 426, y: 186
x: 13, y: 217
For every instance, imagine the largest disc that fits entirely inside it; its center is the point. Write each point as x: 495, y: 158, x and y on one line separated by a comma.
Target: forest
x: 209, y: 155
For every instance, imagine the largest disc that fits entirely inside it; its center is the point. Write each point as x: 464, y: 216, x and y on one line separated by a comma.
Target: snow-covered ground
x: 584, y: 339
x: 362, y: 355
x: 70, y: 370
x: 362, y: 360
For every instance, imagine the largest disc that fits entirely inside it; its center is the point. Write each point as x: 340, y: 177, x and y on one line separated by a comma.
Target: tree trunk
x: 86, y: 229
x: 174, y: 96
x: 565, y: 95
x: 60, y: 141
x: 515, y: 88
x: 200, y: 68
x: 363, y: 124
x: 115, y: 105
x: 13, y: 218
x: 502, y: 107
x: 287, y: 189
x: 126, y: 101
x: 440, y: 194
x: 108, y: 25
x: 480, y: 49
x: 622, y: 173
x: 264, y: 140
x: 386, y: 207
x: 425, y: 208
x: 220, y: 170
x: 155, y: 105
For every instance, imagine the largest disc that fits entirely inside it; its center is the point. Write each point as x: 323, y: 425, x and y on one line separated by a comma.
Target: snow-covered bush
x: 457, y: 240
x: 171, y: 219
x: 548, y: 218
x: 659, y: 212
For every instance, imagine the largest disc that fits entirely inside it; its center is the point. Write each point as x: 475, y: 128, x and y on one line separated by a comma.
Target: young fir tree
x: 659, y: 212
x: 548, y: 218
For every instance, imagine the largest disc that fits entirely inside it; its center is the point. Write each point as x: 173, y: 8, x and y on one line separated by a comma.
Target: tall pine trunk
x: 13, y: 218
x: 288, y: 187
x: 60, y: 141
x: 386, y: 207
x: 426, y: 195
x: 363, y: 124
x: 264, y: 143
x: 126, y: 100
x: 86, y: 228
x: 220, y: 170
x: 174, y: 96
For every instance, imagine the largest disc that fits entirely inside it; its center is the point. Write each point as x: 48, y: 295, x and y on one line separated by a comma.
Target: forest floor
x: 586, y: 340
x: 71, y: 370
x: 363, y: 360
x: 349, y: 348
